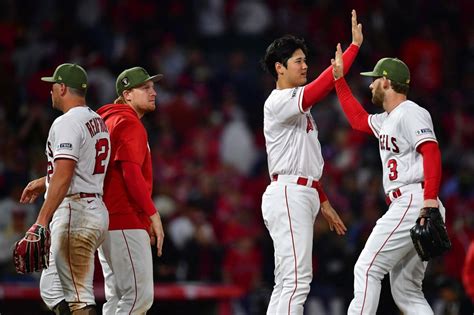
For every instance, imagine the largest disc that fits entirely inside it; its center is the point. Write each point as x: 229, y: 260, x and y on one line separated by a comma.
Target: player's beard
x: 56, y: 101
x: 150, y: 107
x: 143, y: 108
x: 378, y: 96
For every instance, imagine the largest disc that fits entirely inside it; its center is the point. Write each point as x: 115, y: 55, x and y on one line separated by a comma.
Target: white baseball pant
x: 77, y: 230
x: 126, y: 260
x: 289, y: 211
x: 389, y: 249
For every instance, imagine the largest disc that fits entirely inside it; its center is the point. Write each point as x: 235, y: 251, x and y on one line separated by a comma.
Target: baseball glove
x: 430, y: 239
x: 31, y: 255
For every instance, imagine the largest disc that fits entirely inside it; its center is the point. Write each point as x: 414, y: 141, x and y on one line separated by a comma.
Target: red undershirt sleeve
x: 322, y: 194
x: 324, y: 83
x: 134, y: 182
x: 431, y: 168
x: 355, y: 113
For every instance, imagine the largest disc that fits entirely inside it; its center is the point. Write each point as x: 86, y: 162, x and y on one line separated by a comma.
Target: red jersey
x: 129, y: 142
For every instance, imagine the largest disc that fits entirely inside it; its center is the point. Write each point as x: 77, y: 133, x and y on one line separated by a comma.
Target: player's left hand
x: 357, y: 36
x: 157, y: 231
x: 33, y: 190
x: 429, y: 203
x: 333, y: 219
x: 337, y: 64
x: 430, y: 238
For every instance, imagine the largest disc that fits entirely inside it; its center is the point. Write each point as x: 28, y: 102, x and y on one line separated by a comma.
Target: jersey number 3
x: 101, y: 153
x: 392, y: 167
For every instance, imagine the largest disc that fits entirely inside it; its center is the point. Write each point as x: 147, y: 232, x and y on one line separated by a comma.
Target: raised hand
x: 337, y: 64
x: 357, y: 37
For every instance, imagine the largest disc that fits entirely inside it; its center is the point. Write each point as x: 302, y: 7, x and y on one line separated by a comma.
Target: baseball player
x: 411, y: 177
x: 295, y: 163
x: 125, y: 255
x: 78, y: 154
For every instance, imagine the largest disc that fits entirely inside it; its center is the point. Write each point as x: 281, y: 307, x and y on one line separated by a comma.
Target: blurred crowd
x: 206, y: 135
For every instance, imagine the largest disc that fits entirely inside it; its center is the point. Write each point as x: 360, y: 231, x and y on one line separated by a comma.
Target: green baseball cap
x: 70, y: 74
x: 391, y: 68
x: 134, y: 77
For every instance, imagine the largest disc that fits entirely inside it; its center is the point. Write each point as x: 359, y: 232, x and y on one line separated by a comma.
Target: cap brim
x: 48, y: 79
x: 369, y: 74
x: 156, y: 78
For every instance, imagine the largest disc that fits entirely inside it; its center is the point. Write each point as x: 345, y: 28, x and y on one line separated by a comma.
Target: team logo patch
x: 423, y: 131
x: 125, y: 81
x: 67, y: 146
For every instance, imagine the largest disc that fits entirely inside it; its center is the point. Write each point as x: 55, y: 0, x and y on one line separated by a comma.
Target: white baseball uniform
x: 289, y: 208
x: 389, y: 248
x: 79, y: 223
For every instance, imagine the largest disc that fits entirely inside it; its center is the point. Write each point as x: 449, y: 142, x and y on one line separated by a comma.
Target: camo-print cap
x: 134, y: 77
x: 391, y: 68
x: 70, y: 74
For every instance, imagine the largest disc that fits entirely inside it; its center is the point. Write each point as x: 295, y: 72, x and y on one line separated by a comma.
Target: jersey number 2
x: 101, y: 153
x: 392, y: 166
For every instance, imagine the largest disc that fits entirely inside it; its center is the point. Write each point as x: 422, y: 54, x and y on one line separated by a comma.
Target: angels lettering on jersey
x: 388, y: 143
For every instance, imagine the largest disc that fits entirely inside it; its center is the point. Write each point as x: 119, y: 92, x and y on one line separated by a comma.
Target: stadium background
x: 206, y: 135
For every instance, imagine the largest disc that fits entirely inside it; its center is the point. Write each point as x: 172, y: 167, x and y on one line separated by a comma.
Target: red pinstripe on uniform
x: 294, y: 251
x: 133, y: 268
x: 69, y: 253
x: 373, y: 259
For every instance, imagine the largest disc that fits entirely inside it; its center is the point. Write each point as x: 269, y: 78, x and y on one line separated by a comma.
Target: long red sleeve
x: 324, y: 83
x: 355, y: 113
x: 431, y: 167
x: 135, y: 182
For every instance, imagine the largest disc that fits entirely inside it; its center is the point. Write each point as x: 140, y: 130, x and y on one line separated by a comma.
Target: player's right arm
x: 134, y: 182
x: 324, y: 83
x: 33, y: 190
x: 130, y: 149
x: 355, y: 113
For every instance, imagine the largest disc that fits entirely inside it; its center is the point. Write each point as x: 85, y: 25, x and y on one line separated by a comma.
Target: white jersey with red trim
x: 81, y: 135
x: 289, y: 207
x: 399, y: 134
x: 291, y: 135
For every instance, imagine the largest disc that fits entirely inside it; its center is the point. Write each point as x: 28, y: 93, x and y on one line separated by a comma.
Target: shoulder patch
x: 423, y: 131
x: 67, y: 146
